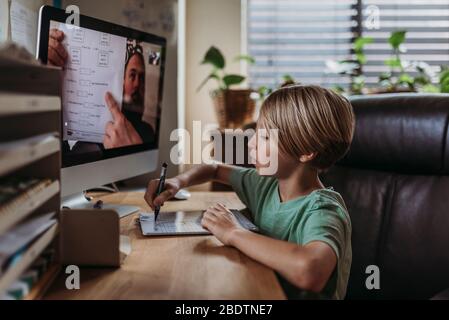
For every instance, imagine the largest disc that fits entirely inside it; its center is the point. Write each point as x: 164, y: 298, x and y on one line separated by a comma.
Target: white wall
x: 153, y: 17
x: 208, y: 22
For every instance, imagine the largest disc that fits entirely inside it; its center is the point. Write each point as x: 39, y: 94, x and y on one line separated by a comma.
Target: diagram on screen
x: 95, y: 66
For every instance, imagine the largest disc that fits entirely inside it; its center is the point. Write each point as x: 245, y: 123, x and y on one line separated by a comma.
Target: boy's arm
x: 197, y: 175
x: 308, y: 267
x: 203, y: 173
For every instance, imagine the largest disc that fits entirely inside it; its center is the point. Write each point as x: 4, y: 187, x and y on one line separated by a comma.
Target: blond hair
x: 310, y: 119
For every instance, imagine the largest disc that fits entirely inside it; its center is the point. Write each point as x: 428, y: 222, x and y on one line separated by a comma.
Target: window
x: 427, y: 38
x: 297, y: 37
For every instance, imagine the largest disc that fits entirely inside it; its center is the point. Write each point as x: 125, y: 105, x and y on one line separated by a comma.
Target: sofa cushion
x: 366, y: 194
x: 402, y: 133
x: 414, y: 255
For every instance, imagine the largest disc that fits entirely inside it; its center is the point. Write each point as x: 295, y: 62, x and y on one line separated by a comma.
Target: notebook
x: 182, y: 223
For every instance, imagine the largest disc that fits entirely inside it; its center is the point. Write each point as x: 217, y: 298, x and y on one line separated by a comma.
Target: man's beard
x: 134, y: 103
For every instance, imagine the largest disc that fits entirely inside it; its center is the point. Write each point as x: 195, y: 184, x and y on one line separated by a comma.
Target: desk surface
x: 188, y: 267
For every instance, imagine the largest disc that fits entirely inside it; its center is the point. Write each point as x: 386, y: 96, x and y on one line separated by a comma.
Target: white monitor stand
x: 94, y: 174
x: 82, y: 201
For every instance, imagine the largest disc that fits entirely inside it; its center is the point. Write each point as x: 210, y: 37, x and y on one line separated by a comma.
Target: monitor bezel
x: 49, y: 13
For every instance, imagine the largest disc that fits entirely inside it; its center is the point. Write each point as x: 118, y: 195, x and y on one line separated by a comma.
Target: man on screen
x: 127, y: 127
x: 133, y: 97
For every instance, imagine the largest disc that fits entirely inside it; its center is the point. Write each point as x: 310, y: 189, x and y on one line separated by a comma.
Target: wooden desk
x: 193, y: 267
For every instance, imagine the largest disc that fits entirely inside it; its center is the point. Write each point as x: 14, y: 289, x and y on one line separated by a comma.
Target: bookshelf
x: 30, y: 150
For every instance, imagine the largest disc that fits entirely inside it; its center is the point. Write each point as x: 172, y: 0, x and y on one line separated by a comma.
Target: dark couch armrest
x: 443, y: 295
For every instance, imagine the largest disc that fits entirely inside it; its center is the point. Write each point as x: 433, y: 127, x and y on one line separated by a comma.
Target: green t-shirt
x: 318, y: 216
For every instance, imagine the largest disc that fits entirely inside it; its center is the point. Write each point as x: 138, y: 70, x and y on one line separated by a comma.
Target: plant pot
x: 234, y: 108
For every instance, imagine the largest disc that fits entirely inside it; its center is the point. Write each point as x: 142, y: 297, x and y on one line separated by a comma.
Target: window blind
x: 297, y: 37
x: 427, y: 37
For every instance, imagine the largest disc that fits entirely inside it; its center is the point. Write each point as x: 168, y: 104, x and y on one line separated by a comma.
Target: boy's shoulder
x: 251, y: 175
x: 251, y: 188
x: 328, y: 200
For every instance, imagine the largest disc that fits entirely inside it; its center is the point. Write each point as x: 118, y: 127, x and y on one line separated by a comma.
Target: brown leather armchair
x: 395, y: 181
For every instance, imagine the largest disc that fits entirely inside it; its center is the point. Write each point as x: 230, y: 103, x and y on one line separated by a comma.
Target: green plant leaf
x: 361, y: 58
x: 397, y: 38
x: 393, y: 62
x: 245, y: 57
x: 406, y: 78
x: 232, y: 79
x: 360, y: 80
x: 213, y: 75
x: 424, y: 68
x: 422, y: 80
x: 264, y: 91
x: 214, y: 57
x: 360, y: 42
x: 385, y: 76
x: 430, y: 88
x: 444, y: 81
x: 338, y: 89
x: 444, y: 88
x: 287, y: 78
x: 444, y: 75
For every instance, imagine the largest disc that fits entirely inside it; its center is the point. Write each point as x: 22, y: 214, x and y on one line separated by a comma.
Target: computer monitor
x: 104, y: 142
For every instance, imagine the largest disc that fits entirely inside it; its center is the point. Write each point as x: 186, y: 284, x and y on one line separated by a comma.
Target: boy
x: 305, y: 227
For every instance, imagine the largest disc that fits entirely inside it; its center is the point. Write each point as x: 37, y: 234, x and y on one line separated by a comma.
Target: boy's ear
x: 308, y: 157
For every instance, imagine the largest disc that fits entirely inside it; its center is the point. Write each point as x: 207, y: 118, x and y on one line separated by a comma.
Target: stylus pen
x: 160, y: 188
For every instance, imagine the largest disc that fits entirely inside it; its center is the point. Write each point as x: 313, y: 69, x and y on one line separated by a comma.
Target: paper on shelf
x: 10, y: 146
x: 23, y: 26
x: 17, y: 238
x: 4, y: 20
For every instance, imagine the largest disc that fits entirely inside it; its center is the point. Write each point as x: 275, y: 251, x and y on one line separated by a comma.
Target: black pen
x: 160, y: 188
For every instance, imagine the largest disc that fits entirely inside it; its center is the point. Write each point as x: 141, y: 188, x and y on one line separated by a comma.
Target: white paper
x: 23, y: 26
x: 11, y: 146
x: 182, y: 222
x: 169, y: 223
x: 95, y: 65
x: 18, y: 237
x: 4, y: 20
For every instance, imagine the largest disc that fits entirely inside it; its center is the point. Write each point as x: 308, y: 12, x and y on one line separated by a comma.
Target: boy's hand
x: 172, y: 186
x: 221, y: 222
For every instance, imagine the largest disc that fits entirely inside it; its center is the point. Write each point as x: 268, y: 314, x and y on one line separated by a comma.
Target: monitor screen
x: 111, y: 90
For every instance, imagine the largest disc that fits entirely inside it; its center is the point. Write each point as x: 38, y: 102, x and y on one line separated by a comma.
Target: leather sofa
x: 395, y: 182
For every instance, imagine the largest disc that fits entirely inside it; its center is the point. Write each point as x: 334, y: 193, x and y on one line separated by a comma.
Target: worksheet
x: 95, y: 66
x: 183, y: 222
x: 23, y: 26
x: 171, y: 223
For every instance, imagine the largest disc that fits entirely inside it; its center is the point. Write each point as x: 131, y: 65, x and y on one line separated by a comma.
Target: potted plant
x: 397, y: 79
x: 234, y: 107
x: 264, y: 91
x: 351, y: 67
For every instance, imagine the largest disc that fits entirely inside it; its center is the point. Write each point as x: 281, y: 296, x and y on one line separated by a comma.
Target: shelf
x: 17, y: 104
x: 19, y: 153
x: 30, y: 162
x: 18, y: 209
x: 28, y: 257
x: 40, y: 287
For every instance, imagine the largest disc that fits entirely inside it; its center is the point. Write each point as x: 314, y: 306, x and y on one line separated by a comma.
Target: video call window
x: 95, y: 64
